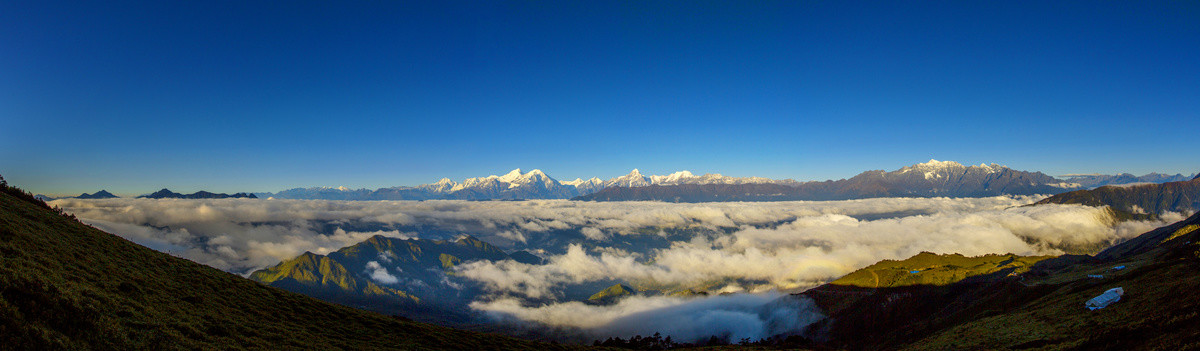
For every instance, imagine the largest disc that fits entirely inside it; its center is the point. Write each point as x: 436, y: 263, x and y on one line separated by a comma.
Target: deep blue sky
x: 262, y: 96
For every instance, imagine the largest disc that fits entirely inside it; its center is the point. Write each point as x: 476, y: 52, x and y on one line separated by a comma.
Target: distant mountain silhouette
x: 102, y: 194
x: 1099, y: 180
x: 167, y: 194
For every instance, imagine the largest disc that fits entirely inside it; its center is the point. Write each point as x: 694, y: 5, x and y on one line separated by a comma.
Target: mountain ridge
x: 1093, y: 181
x: 536, y: 184
x: 168, y: 194
x: 411, y: 277
x: 1136, y: 201
x: 930, y: 179
x: 514, y: 185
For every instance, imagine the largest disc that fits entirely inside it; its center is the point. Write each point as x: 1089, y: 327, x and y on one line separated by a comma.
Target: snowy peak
x: 443, y: 185
x: 580, y: 181
x: 935, y: 169
x: 588, y: 186
x: 534, y: 184
x: 533, y: 177
x: 938, y: 164
x: 516, y: 184
x: 511, y: 176
x: 536, y: 176
x: 633, y: 179
x: 673, y: 178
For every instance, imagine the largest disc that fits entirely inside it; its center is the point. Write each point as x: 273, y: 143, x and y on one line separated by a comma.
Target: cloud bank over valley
x: 757, y: 250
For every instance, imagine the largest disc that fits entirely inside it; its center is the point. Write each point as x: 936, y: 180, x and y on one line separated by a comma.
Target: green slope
x: 611, y: 294
x: 1157, y: 312
x: 1012, y: 302
x: 344, y: 276
x: 937, y: 270
x: 65, y: 285
x: 319, y: 276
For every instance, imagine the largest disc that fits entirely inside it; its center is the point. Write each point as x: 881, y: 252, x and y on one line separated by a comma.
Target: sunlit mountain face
x: 561, y: 268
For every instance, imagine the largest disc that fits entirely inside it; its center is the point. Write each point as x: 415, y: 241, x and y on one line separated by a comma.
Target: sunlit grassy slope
x: 932, y: 269
x: 1161, y: 277
x: 950, y: 302
x: 65, y: 285
x: 612, y: 293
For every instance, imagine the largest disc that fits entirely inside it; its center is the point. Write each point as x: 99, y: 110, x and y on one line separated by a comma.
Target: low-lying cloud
x: 762, y: 249
x: 815, y: 249
x: 380, y: 274
x: 730, y: 317
x: 263, y: 232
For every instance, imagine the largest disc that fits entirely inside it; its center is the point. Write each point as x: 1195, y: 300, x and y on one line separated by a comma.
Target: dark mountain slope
x: 65, y: 285
x: 1145, y: 200
x: 999, y: 302
x: 526, y: 257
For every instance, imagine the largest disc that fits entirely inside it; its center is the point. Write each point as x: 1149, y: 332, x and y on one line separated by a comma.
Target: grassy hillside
x: 937, y: 270
x: 1011, y: 302
x: 611, y: 294
x: 322, y: 277
x: 66, y: 285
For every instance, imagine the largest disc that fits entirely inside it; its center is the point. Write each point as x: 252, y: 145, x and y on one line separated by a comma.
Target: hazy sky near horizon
x: 261, y: 96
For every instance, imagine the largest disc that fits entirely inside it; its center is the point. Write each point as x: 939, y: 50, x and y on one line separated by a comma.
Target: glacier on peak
x: 580, y: 181
x: 938, y: 166
x: 672, y: 178
x: 633, y: 179
x: 511, y: 176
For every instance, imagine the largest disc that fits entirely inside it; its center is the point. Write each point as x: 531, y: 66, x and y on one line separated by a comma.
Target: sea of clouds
x: 760, y: 250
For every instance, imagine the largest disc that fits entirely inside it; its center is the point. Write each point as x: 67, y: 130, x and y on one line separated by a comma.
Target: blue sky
x: 262, y: 96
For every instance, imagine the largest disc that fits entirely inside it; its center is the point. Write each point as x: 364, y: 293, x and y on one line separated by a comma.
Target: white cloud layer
x: 263, y: 232
x: 815, y: 249
x: 732, y: 317
x: 752, y: 247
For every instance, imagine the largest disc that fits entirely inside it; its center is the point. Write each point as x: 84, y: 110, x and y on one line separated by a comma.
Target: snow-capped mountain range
x: 515, y: 184
x: 933, y: 178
